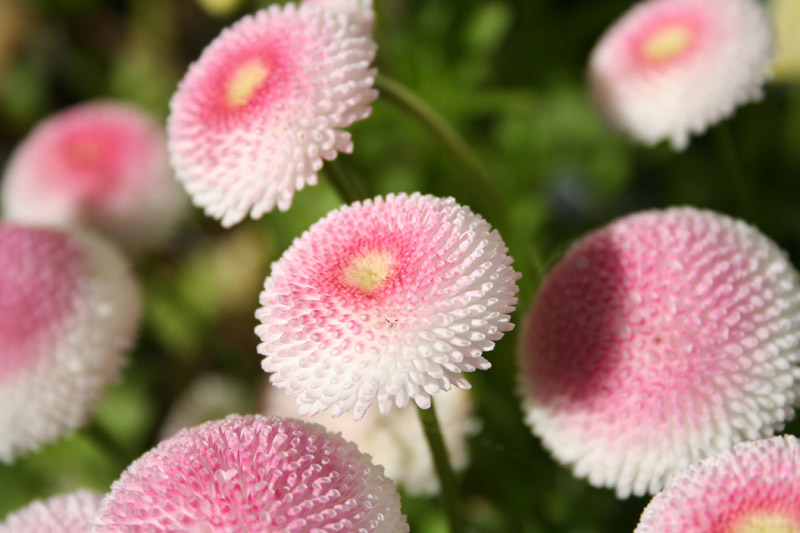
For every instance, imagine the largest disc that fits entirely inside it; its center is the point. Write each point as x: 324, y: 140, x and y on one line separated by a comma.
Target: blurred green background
x: 510, y: 77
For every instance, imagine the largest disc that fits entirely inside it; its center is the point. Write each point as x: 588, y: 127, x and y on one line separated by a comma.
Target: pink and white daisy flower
x: 659, y: 340
x: 671, y: 68
x: 67, y: 513
x: 69, y: 308
x: 102, y: 165
x: 359, y: 11
x: 266, y: 103
x: 253, y: 473
x: 390, y: 299
x: 396, y: 440
x: 752, y: 488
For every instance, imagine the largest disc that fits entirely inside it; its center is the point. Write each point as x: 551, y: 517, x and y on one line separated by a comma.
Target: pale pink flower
x: 69, y: 308
x: 66, y: 513
x: 253, y: 473
x: 360, y: 12
x: 752, y: 488
x: 396, y: 440
x: 671, y: 68
x: 390, y: 299
x: 659, y: 340
x: 266, y: 103
x: 103, y: 165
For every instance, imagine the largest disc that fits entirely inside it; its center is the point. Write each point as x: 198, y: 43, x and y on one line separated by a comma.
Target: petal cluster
x: 659, y: 340
x: 69, y: 308
x: 671, y: 68
x: 391, y: 299
x: 253, y: 473
x: 752, y: 488
x: 360, y: 12
x: 267, y: 101
x: 67, y: 513
x: 103, y: 165
x: 395, y: 440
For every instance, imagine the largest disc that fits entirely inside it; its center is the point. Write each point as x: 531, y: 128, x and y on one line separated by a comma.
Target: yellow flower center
x: 767, y: 523
x: 666, y: 43
x: 245, y: 81
x: 369, y: 271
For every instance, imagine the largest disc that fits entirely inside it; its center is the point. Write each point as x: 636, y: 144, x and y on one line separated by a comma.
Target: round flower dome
x: 671, y: 68
x: 389, y: 299
x: 69, y: 308
x: 253, y: 473
x: 102, y: 165
x: 267, y: 102
x: 396, y: 440
x: 752, y: 488
x: 67, y: 513
x: 359, y: 11
x: 659, y: 340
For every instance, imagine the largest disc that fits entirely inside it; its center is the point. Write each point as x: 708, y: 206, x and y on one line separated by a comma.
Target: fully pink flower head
x: 752, y: 488
x: 67, y: 513
x: 390, y: 299
x: 69, y: 308
x: 253, y: 473
x: 266, y: 103
x: 102, y: 165
x: 671, y: 68
x: 659, y: 340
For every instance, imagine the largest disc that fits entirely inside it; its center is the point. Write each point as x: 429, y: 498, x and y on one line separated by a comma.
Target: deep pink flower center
x: 40, y: 275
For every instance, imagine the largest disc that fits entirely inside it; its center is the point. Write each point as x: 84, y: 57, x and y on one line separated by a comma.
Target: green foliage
x: 510, y: 77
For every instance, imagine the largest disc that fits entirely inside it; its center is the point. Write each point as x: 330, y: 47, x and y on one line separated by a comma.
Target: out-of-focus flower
x: 67, y: 513
x: 752, y: 488
x: 209, y: 397
x: 102, y: 165
x: 69, y: 308
x: 390, y: 299
x: 219, y: 8
x: 786, y: 17
x: 671, y: 68
x: 395, y: 440
x: 266, y: 103
x: 253, y: 473
x: 659, y: 340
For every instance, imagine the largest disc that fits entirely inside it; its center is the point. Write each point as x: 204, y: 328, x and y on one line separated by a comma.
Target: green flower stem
x: 465, y: 156
x: 449, y: 137
x: 348, y: 189
x: 728, y: 154
x: 441, y: 461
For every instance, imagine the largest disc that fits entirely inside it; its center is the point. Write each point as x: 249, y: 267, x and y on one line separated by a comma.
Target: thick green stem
x: 441, y: 461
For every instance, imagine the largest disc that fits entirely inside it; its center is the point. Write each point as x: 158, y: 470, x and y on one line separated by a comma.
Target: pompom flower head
x: 395, y: 440
x: 359, y: 11
x: 266, y: 103
x: 253, y: 474
x: 659, y: 340
x: 103, y: 165
x: 390, y: 299
x: 68, y: 311
x: 752, y: 488
x: 671, y: 68
x: 67, y: 513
